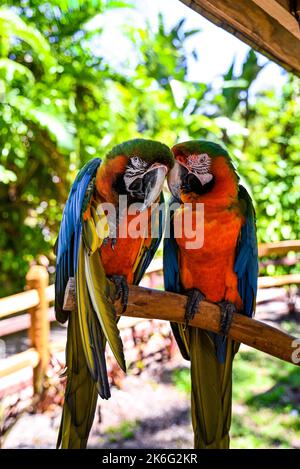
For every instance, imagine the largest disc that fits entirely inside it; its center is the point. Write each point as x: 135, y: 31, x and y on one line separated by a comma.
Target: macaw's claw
x: 227, y: 311
x: 195, y: 297
x: 122, y: 290
x: 105, y: 241
x: 113, y: 242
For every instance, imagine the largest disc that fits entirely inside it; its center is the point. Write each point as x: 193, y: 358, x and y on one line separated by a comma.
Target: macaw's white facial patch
x: 136, y: 168
x: 200, y: 165
x: 137, y: 162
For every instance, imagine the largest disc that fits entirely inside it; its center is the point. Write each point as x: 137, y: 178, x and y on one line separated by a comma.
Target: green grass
x: 181, y: 379
x: 124, y: 431
x: 266, y: 392
x: 266, y: 401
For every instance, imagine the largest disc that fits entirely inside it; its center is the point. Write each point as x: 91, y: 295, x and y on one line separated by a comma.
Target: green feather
x: 211, y: 391
x: 88, y: 329
x: 149, y: 150
x: 77, y: 419
x: 200, y: 146
x: 92, y: 336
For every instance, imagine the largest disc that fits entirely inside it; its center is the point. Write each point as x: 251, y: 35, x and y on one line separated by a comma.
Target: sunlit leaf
x: 7, y: 176
x: 12, y: 24
x: 12, y: 68
x: 57, y: 128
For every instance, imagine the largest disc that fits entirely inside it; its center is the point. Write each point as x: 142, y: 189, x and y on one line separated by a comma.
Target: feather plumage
x: 67, y: 245
x: 101, y: 293
x: 95, y: 320
x: 210, y: 354
x: 83, y: 229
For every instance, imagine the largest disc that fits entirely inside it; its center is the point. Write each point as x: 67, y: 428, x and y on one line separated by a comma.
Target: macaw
x: 223, y: 270
x: 90, y: 248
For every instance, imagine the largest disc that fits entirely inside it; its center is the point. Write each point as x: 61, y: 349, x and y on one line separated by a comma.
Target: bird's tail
x: 90, y: 327
x: 80, y: 396
x: 211, y: 383
x: 211, y: 391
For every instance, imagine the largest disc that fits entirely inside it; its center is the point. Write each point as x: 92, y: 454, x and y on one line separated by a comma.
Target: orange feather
x: 106, y: 176
x: 211, y: 267
x: 122, y: 259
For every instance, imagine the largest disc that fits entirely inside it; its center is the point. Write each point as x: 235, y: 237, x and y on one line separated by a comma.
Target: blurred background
x: 77, y: 78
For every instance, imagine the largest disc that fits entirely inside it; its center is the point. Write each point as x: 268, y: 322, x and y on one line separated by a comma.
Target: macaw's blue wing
x: 172, y: 282
x: 69, y: 234
x: 170, y: 258
x: 94, y: 322
x: 246, y: 264
x: 147, y: 252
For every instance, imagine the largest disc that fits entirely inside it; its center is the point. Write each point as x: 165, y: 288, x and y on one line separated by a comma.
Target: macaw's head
x: 136, y: 168
x: 202, y: 172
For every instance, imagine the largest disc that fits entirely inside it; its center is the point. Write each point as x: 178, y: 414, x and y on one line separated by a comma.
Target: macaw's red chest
x: 124, y: 258
x: 210, y: 268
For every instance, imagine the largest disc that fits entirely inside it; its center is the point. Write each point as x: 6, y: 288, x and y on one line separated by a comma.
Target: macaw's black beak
x: 174, y: 180
x: 153, y: 181
x: 180, y: 179
x: 192, y: 183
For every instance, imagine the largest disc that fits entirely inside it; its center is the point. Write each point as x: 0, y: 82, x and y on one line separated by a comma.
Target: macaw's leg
x: 227, y: 311
x: 122, y: 290
x: 195, y: 297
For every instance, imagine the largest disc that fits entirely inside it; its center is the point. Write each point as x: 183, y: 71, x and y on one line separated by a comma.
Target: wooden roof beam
x: 265, y: 25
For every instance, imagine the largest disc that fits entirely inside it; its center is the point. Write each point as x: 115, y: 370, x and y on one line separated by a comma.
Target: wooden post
x: 38, y: 278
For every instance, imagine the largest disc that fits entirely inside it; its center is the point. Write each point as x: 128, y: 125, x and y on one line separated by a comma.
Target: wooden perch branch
x: 155, y: 304
x: 150, y: 304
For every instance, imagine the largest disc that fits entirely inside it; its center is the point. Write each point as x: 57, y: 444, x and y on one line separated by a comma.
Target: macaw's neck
x: 225, y: 190
x: 106, y: 177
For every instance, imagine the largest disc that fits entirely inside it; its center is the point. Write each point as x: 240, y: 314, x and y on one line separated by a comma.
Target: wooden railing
x: 39, y: 294
x: 36, y: 301
x: 279, y: 249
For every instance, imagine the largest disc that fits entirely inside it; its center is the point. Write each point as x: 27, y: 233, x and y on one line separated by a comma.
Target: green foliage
x: 235, y: 90
x: 266, y: 400
x: 181, y: 379
x: 125, y: 431
x: 273, y: 146
x: 61, y: 104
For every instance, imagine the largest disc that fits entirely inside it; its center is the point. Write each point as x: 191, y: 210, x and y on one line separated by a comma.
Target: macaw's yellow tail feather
x: 211, y: 391
x: 80, y: 396
x: 89, y: 327
x: 101, y: 292
x: 91, y: 334
x: 90, y: 236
